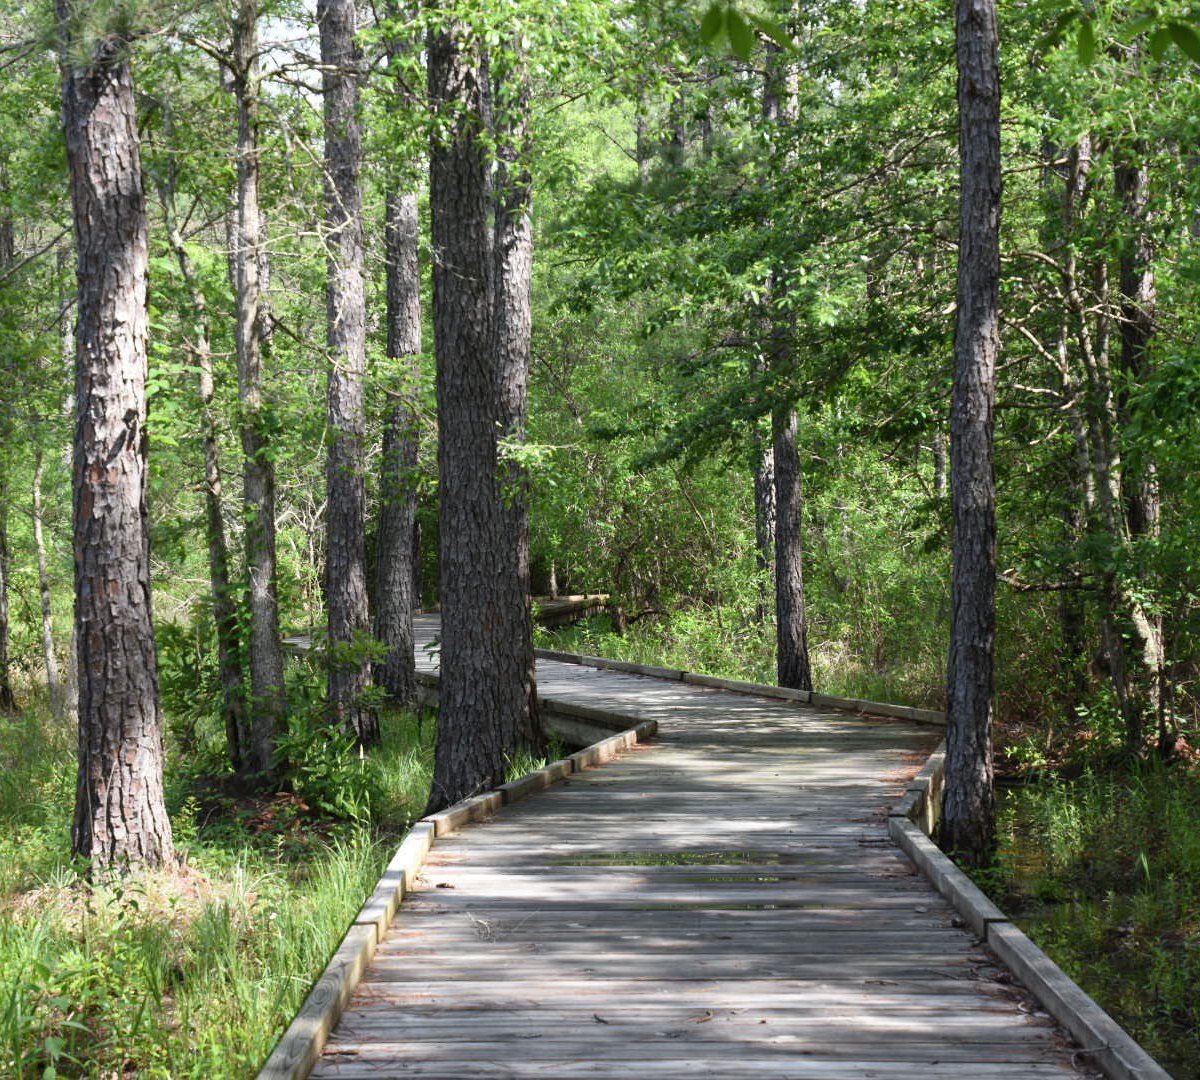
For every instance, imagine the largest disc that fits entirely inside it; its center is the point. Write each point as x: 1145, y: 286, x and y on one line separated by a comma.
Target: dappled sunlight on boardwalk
x: 721, y: 902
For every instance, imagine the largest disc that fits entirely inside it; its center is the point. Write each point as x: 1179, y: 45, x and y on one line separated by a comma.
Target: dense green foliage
x: 1104, y: 873
x: 676, y: 231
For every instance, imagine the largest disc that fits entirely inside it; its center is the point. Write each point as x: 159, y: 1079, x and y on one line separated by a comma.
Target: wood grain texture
x: 722, y: 901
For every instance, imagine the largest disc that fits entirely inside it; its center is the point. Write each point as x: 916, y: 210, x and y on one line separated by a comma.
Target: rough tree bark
x: 396, y: 550
x: 483, y: 699
x: 512, y: 321
x: 238, y: 737
x: 396, y: 569
x: 120, y: 816
x: 968, y: 821
x: 791, y: 617
x: 8, y: 700
x: 258, y: 475
x: 345, y: 512
x: 764, y: 517
x: 49, y: 654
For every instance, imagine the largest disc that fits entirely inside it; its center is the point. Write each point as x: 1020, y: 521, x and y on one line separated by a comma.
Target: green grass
x: 1104, y: 873
x: 193, y: 972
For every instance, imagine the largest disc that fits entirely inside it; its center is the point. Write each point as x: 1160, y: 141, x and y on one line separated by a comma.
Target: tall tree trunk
x: 8, y: 700
x: 512, y: 321
x: 345, y: 511
x: 238, y: 737
x: 120, y: 816
x: 258, y: 476
x: 764, y: 516
x: 396, y: 580
x: 396, y: 565
x: 968, y: 821
x: 791, y: 616
x: 483, y: 698
x: 49, y: 654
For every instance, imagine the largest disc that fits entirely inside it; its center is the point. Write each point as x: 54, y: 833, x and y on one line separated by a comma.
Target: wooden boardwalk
x: 722, y: 902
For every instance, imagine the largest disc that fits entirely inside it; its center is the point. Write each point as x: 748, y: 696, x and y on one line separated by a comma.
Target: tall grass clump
x: 1103, y: 872
x: 197, y: 970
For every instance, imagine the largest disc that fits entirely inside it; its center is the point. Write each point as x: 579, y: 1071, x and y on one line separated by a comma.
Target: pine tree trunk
x: 345, y: 512
x: 483, y: 699
x: 396, y: 569
x: 397, y: 580
x: 8, y: 700
x: 238, y: 738
x: 764, y: 504
x: 49, y: 654
x: 968, y: 822
x: 512, y: 321
x: 791, y: 618
x: 120, y: 816
x: 258, y: 476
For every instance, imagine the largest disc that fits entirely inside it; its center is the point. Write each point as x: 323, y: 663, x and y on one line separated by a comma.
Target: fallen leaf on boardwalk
x: 705, y: 1018
x: 444, y: 885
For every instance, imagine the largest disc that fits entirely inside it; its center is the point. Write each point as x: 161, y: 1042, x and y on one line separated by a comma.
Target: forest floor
x: 197, y: 971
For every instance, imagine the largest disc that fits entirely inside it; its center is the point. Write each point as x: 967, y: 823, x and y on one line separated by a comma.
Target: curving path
x: 721, y: 902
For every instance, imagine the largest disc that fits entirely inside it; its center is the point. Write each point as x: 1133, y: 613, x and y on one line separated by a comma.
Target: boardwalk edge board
x: 737, y: 686
x: 299, y: 1049
x: 1106, y: 1045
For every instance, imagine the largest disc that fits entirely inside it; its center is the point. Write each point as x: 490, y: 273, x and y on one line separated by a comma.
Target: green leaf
x: 712, y: 24
x: 775, y: 32
x: 1058, y: 31
x: 1187, y: 40
x: 741, y: 37
x: 1142, y: 22
x: 1160, y: 40
x: 1085, y: 41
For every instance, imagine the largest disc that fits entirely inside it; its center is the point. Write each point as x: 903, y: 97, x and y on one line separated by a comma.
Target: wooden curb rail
x: 298, y: 1051
x: 1105, y: 1043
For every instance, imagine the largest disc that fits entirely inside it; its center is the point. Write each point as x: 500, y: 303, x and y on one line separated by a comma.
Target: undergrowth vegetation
x: 736, y: 644
x: 196, y: 971
x: 1103, y: 872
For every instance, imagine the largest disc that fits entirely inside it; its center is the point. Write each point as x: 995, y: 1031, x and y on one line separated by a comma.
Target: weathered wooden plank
x: 789, y: 1066
x: 724, y: 901
x: 915, y: 1043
